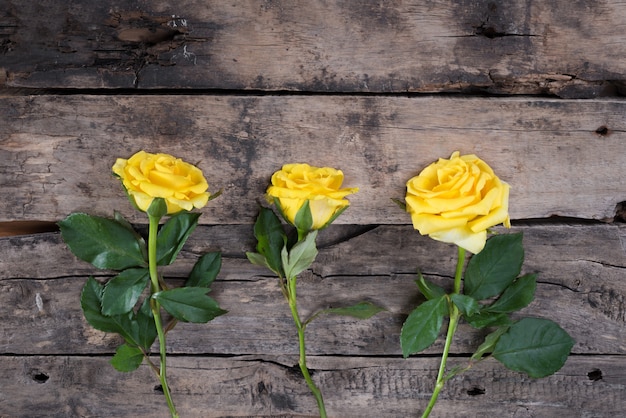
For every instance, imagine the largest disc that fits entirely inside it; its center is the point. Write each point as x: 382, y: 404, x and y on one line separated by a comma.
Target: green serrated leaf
x: 490, y: 342
x: 361, y: 310
x: 173, y: 235
x: 466, y: 304
x: 103, y: 242
x: 535, y: 346
x: 301, y: 255
x: 127, y: 358
x: 517, y: 296
x: 189, y: 304
x: 271, y: 239
x: 205, y: 270
x: 429, y: 289
x: 485, y: 319
x: 422, y: 326
x: 492, y: 270
x: 91, y: 304
x: 146, y: 331
x: 122, y: 292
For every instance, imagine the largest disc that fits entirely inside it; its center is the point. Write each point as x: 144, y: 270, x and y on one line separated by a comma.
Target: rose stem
x: 454, y: 320
x: 156, y: 309
x: 302, y: 362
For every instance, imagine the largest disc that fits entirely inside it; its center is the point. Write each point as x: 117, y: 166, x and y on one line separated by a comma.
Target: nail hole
x: 476, y: 391
x: 40, y: 377
x: 595, y: 375
x: 158, y: 388
x: 603, y: 131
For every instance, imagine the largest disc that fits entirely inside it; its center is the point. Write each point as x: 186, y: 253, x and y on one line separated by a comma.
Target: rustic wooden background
x: 377, y: 88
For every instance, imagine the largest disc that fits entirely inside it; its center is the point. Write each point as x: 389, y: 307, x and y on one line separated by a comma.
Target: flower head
x: 148, y: 176
x: 457, y: 200
x: 296, y: 184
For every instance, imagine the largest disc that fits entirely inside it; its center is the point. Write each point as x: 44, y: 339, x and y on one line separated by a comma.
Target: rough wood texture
x: 57, y: 151
x: 582, y: 277
x: 243, y: 86
x: 572, y: 49
x: 245, y: 386
x: 578, y: 278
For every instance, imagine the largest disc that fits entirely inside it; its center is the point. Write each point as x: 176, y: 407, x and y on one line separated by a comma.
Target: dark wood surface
x: 378, y: 89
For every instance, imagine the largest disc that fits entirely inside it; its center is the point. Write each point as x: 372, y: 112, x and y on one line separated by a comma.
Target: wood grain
x: 57, y: 151
x: 581, y: 284
x: 571, y: 49
x: 247, y: 386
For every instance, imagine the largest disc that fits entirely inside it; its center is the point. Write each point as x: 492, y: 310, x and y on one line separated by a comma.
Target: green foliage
x: 122, y: 292
x: 493, y: 269
x: 304, y: 219
x: 105, y: 243
x: 361, y: 310
x: 189, y: 304
x: 422, y: 326
x: 205, y: 270
x: 115, y: 307
x: 127, y: 358
x: 271, y: 239
x: 300, y: 257
x: 535, y: 346
x: 538, y: 347
x: 173, y: 235
x: 429, y: 289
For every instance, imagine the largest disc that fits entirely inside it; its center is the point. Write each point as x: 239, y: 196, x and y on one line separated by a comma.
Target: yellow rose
x: 148, y: 176
x: 321, y: 187
x: 457, y: 200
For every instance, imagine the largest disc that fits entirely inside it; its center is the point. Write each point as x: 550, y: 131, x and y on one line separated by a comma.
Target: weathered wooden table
x: 378, y: 89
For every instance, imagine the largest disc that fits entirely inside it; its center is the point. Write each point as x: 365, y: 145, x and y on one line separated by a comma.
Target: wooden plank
x: 556, y: 47
x: 581, y: 285
x: 558, y: 156
x: 268, y: 386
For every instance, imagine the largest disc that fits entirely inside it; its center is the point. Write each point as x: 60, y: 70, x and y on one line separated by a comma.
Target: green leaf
x: 173, y: 235
x: 485, y: 319
x: 535, y: 346
x: 271, y: 239
x: 466, y: 304
x: 361, y: 310
x: 127, y: 358
x: 517, y: 296
x: 490, y: 342
x: 189, y: 304
x: 429, y: 289
x: 205, y: 270
x: 91, y: 302
x: 122, y: 292
x: 103, y: 242
x: 301, y: 255
x: 422, y: 326
x: 304, y: 219
x: 146, y: 331
x: 492, y: 270
x: 119, y: 218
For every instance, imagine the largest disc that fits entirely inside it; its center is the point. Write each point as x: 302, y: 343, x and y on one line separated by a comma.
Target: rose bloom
x: 148, y: 176
x: 294, y: 184
x: 457, y: 200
